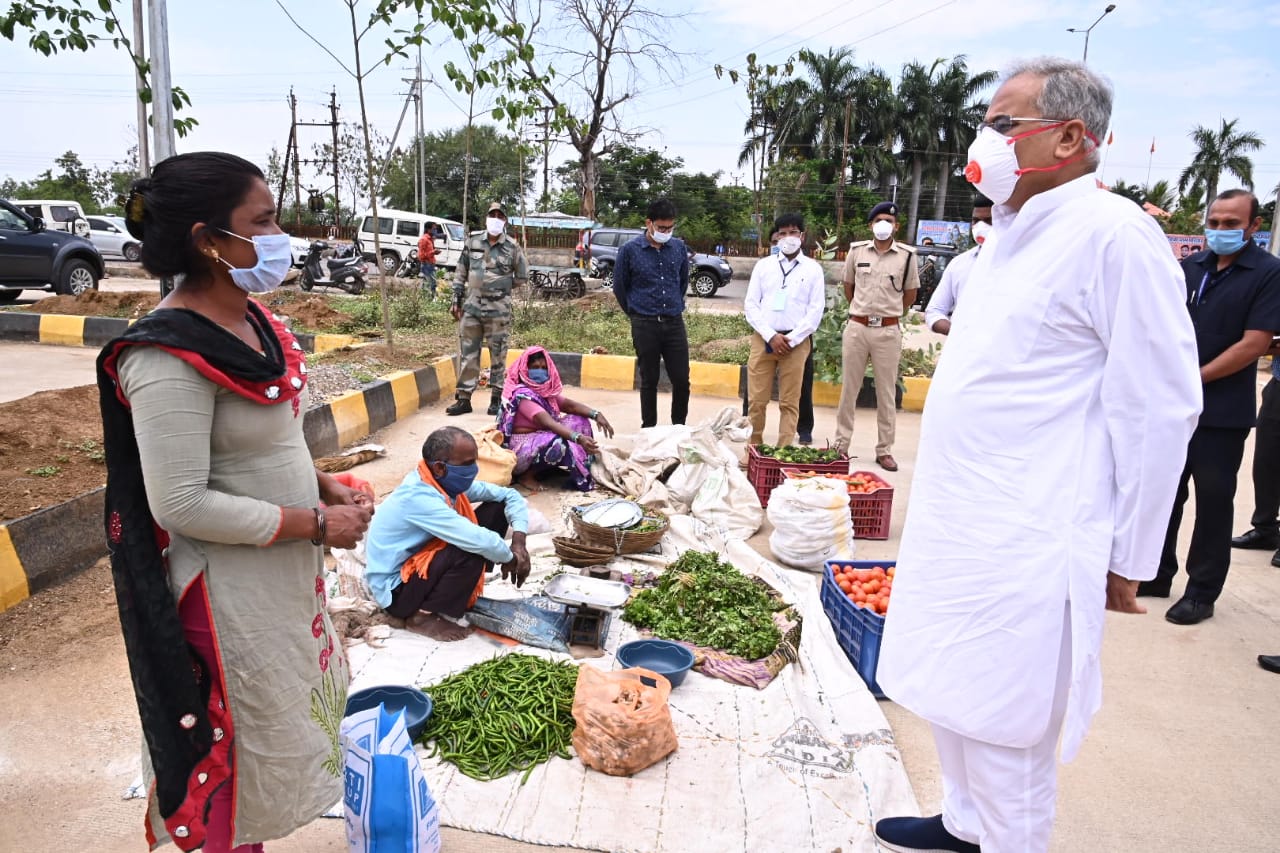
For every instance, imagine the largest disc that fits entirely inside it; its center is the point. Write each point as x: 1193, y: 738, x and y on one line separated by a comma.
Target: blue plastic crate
x: 858, y: 630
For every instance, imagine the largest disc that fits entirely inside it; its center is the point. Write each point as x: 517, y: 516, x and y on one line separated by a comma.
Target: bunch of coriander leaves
x: 703, y: 601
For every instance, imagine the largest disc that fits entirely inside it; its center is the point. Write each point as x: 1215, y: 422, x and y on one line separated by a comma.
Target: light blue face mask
x: 275, y: 257
x: 539, y: 375
x: 1226, y: 242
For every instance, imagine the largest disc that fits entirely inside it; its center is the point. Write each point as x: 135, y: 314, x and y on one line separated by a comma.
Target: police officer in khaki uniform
x: 880, y: 282
x: 490, y: 266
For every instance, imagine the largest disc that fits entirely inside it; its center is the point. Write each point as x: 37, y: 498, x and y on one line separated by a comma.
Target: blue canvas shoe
x: 920, y: 835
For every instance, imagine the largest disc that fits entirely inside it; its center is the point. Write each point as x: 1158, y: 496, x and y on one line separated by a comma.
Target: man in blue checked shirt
x: 650, y: 280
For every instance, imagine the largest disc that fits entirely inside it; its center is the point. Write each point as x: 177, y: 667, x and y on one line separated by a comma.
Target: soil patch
x: 307, y: 312
x: 729, y: 350
x: 412, y: 351
x: 50, y: 449
x: 97, y: 303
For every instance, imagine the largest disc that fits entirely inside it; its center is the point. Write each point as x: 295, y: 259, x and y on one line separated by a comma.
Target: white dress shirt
x: 943, y: 302
x: 786, y: 294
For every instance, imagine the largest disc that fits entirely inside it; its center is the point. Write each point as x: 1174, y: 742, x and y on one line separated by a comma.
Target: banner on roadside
x: 942, y: 231
x: 1184, y: 245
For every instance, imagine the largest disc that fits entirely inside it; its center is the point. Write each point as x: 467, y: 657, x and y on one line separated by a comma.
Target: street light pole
x: 1107, y: 11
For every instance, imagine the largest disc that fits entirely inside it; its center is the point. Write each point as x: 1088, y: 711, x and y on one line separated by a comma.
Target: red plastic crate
x: 858, y: 630
x: 765, y: 472
x: 872, y: 513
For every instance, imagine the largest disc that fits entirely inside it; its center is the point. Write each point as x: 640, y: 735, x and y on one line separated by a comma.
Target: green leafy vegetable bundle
x: 507, y: 714
x: 799, y: 454
x: 703, y: 601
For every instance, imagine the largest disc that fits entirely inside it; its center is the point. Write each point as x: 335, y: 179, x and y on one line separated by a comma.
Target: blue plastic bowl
x: 662, y: 656
x: 415, y: 704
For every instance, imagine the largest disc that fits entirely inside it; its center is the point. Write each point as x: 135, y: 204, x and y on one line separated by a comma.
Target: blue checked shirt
x: 651, y: 281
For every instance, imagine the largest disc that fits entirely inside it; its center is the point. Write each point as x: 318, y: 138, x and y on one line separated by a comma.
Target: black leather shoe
x: 1275, y: 559
x: 1153, y: 589
x: 806, y: 438
x: 1188, y: 611
x: 1271, y: 663
x: 1256, y: 540
x: 920, y: 833
x: 461, y: 406
x: 495, y: 403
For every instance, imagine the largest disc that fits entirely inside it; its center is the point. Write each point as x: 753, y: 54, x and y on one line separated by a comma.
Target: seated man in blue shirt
x: 428, y: 549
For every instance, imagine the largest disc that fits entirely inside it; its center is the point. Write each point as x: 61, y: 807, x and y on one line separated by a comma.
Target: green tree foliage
x: 97, y: 190
x: 495, y: 172
x: 1222, y: 152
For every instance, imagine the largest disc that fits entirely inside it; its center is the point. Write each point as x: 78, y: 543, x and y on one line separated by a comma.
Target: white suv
x: 57, y: 215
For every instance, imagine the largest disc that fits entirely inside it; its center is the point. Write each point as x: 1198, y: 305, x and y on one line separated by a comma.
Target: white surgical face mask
x: 660, y: 237
x: 993, y: 165
x: 275, y: 257
x: 789, y: 245
x: 494, y: 225
x: 980, y: 230
x: 882, y: 230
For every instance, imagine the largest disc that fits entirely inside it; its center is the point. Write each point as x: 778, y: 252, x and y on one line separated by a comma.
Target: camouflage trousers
x: 472, y: 333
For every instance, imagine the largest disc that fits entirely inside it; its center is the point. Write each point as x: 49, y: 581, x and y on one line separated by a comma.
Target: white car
x: 111, y: 237
x: 300, y: 247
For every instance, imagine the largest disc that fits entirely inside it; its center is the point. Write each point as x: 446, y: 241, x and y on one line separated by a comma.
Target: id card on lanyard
x: 780, y: 297
x: 1196, y: 300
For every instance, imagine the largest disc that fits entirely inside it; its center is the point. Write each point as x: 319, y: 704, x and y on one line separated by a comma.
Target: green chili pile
x: 703, y: 601
x: 798, y: 454
x: 507, y: 714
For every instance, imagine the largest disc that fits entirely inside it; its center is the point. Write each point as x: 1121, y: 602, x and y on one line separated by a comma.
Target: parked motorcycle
x: 345, y: 272
x: 409, y: 267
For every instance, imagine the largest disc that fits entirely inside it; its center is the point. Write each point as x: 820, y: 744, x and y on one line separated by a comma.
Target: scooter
x: 409, y: 267
x: 345, y: 273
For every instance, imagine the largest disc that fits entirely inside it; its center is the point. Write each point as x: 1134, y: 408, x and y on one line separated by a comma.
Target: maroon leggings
x: 195, y: 623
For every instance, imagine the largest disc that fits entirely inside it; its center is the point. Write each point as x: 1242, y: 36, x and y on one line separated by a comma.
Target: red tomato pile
x: 859, y: 482
x: 869, y: 588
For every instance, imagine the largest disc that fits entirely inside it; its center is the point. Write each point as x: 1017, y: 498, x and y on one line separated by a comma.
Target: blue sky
x: 1174, y: 64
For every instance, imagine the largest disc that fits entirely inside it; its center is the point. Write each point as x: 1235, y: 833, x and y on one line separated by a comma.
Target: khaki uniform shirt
x: 486, y: 274
x: 879, y: 280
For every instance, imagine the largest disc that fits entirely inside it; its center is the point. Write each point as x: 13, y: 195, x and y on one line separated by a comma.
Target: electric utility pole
x: 162, y: 83
x: 333, y: 124
x: 139, y: 50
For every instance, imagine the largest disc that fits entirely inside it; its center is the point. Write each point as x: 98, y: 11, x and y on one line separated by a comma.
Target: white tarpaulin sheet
x: 807, y: 763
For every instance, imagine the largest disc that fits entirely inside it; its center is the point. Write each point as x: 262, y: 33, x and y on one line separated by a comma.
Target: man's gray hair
x: 439, y: 444
x: 1070, y: 91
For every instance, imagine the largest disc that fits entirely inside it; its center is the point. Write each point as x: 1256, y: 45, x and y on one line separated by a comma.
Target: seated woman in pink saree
x: 546, y: 430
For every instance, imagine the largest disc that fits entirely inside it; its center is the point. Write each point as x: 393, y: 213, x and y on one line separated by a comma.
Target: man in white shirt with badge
x: 784, y: 303
x: 1049, y: 455
x: 942, y: 304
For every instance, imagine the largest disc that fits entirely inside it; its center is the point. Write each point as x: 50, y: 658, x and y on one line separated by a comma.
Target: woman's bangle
x: 320, y: 527
x: 575, y: 436
x: 594, y: 416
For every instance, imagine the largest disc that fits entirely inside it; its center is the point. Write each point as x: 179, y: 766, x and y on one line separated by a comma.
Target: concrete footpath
x: 1182, y: 757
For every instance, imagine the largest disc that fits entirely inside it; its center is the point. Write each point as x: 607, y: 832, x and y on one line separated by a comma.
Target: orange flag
x: 1153, y: 145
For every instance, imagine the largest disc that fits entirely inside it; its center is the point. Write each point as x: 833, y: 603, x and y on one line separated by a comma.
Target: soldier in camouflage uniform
x: 491, y: 265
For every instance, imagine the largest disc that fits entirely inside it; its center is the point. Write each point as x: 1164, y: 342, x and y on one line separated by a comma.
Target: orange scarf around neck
x: 420, y: 563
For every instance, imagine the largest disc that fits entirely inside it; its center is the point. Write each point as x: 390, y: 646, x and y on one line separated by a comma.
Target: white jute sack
x: 811, y: 523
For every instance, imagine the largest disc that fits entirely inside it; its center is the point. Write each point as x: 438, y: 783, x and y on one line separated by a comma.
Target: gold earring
x: 213, y: 253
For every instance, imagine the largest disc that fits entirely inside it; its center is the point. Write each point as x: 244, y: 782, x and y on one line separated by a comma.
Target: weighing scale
x: 590, y: 603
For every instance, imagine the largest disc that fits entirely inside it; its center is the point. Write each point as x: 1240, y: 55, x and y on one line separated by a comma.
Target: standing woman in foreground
x: 216, y: 524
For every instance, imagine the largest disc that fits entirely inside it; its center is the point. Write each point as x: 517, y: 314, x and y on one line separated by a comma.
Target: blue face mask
x: 1225, y: 242
x: 458, y: 478
x: 275, y: 257
x: 539, y: 375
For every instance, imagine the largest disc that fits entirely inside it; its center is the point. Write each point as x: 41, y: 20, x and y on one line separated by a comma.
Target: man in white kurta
x: 1050, y: 448
x: 942, y: 303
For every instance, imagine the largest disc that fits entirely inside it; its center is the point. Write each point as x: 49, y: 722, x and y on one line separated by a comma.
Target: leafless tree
x: 600, y: 51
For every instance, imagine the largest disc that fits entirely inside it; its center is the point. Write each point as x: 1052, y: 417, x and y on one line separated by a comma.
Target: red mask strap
x: 1056, y: 166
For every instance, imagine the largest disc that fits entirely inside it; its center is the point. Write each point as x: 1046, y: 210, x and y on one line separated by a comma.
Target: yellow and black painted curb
x: 72, y: 331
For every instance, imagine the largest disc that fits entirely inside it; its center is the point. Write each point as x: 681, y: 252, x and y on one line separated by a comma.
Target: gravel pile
x: 326, y: 381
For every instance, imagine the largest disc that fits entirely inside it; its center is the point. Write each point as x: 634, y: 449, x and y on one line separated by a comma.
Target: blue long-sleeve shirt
x: 415, y: 512
x: 651, y: 280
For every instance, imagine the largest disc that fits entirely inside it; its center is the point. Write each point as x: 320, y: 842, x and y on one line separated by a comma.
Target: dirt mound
x: 309, y: 312
x: 376, y: 359
x: 50, y: 449
x: 717, y: 350
x: 97, y: 303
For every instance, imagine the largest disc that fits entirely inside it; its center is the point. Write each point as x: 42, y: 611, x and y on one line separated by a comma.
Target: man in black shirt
x: 1233, y: 294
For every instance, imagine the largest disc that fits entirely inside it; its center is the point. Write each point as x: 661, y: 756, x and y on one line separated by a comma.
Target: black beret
x: 883, y: 207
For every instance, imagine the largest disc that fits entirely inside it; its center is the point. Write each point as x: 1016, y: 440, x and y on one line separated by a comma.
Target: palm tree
x: 815, y: 108
x: 958, y: 114
x: 1216, y: 153
x: 1133, y: 192
x: 917, y: 129
x: 1161, y: 194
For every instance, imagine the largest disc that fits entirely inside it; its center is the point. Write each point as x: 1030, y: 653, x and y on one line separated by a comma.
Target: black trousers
x: 804, y: 426
x: 1213, y: 461
x: 661, y: 341
x: 453, y: 575
x: 1266, y: 461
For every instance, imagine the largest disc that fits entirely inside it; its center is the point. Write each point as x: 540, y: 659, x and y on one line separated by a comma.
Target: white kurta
x: 942, y: 304
x: 1055, y: 432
